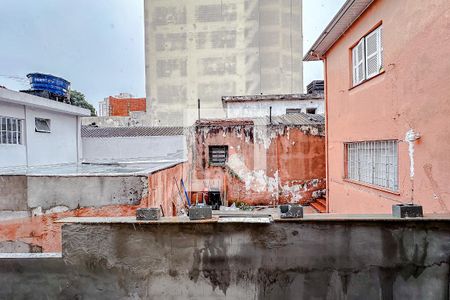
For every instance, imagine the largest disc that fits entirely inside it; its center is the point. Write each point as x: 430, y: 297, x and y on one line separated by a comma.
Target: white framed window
x: 373, y: 162
x: 42, y: 125
x: 11, y: 131
x: 367, y: 56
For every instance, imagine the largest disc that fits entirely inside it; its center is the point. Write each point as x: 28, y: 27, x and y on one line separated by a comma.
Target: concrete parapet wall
x: 283, y: 260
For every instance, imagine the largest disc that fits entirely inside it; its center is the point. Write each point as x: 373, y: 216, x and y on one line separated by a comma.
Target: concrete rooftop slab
x: 132, y: 168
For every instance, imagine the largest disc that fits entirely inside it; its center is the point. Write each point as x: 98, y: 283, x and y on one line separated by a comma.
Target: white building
x: 37, y: 131
x: 207, y: 49
x: 128, y: 144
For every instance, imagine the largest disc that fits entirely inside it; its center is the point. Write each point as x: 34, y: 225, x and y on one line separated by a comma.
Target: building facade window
x: 311, y: 111
x: 42, y: 125
x: 373, y: 162
x: 367, y: 56
x: 11, y: 131
x: 218, y: 155
x: 293, y: 111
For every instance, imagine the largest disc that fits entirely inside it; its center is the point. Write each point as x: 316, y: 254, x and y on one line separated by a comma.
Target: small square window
x: 311, y: 111
x: 42, y: 125
x: 218, y: 155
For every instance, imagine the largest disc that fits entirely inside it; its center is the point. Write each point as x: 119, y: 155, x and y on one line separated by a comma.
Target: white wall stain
x: 410, y: 137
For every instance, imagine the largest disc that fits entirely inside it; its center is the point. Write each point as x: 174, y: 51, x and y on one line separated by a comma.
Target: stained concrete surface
x: 73, y: 192
x: 13, y: 193
x: 284, y: 260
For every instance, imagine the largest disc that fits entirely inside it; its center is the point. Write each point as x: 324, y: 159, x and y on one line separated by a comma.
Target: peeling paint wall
x: 27, y: 224
x: 266, y: 164
x: 164, y: 192
x: 210, y: 49
x: 29, y: 206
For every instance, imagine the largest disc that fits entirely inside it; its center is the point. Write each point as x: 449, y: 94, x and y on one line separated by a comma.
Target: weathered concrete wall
x: 286, y: 260
x: 13, y: 193
x: 266, y: 165
x: 27, y: 225
x: 95, y: 191
x: 30, y: 205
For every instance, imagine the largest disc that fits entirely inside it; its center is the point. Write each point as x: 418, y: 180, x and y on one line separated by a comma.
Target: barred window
x: 373, y: 162
x: 10, y: 131
x: 218, y: 155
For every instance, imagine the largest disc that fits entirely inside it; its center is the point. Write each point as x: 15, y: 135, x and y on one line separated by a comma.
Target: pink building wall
x: 412, y: 93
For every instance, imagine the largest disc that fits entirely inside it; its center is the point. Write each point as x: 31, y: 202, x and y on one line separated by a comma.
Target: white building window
x: 374, y: 162
x: 367, y: 56
x: 10, y: 131
x: 42, y: 125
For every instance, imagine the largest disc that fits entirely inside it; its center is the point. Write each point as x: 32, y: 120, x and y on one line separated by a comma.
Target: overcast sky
x: 98, y: 45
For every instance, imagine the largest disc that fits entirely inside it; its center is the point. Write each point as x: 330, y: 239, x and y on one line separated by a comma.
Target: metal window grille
x: 373, y: 162
x: 10, y: 131
x: 218, y: 155
x: 42, y: 125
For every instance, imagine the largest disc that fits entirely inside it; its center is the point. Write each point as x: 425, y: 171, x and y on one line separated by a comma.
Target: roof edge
x: 25, y: 99
x: 313, y: 54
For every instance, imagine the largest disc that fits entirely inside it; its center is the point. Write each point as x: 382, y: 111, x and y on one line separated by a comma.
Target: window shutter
x: 373, y: 51
x: 358, y: 63
x: 355, y: 65
x: 380, y: 39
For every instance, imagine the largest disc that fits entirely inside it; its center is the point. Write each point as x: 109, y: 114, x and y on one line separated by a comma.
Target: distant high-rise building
x: 208, y: 49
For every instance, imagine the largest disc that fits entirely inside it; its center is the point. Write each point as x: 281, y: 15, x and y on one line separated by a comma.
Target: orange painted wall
x: 413, y: 92
x: 42, y: 231
x: 296, y: 159
x: 123, y: 106
x: 163, y: 190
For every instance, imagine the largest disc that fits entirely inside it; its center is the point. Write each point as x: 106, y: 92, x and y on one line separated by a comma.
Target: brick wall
x: 121, y: 107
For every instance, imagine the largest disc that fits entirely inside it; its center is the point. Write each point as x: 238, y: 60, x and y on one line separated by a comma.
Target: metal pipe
x: 270, y: 115
x: 198, y: 108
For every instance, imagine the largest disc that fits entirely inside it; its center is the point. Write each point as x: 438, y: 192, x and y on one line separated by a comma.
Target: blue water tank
x: 50, y: 83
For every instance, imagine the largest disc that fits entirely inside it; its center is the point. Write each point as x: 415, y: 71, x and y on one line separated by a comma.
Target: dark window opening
x: 311, y: 111
x: 218, y: 155
x: 293, y: 111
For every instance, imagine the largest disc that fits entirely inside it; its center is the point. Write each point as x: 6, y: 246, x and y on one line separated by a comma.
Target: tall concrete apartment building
x: 206, y: 49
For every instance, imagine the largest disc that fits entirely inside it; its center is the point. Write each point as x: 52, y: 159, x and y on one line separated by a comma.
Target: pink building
x: 387, y: 74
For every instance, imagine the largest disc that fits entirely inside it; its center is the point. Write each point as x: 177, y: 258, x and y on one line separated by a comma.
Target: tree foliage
x: 78, y: 99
